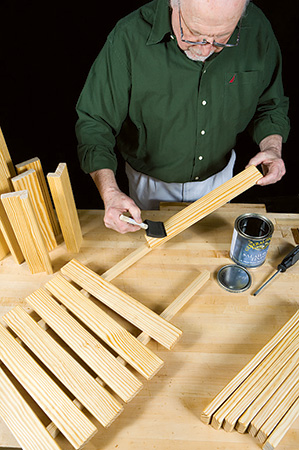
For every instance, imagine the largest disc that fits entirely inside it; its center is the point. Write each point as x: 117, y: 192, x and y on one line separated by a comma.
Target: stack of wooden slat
x: 263, y: 398
x: 28, y: 221
x: 61, y: 356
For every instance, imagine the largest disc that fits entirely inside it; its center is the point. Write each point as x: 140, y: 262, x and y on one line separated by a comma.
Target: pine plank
x: 28, y: 180
x: 5, y: 183
x: 278, y: 380
x: 96, y: 399
x: 139, y: 315
x: 21, y: 420
x: 65, y: 206
x: 246, y: 371
x: 117, y: 337
x: 8, y: 239
x: 20, y: 212
x: 274, y: 401
x: 207, y: 204
x: 98, y: 358
x: 5, y: 152
x: 245, y: 394
x: 35, y: 163
x: 52, y: 400
x: 284, y: 425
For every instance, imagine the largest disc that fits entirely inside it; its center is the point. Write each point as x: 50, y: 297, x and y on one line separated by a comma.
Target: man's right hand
x: 116, y: 202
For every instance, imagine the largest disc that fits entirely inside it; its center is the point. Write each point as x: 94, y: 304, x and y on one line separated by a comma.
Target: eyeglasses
x: 204, y: 41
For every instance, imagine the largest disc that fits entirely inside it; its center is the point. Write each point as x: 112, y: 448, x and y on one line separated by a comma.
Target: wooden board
x: 28, y: 180
x: 64, y: 202
x: 7, y: 158
x: 140, y: 316
x: 35, y: 163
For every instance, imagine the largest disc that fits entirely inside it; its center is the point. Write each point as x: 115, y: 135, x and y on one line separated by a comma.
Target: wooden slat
x: 271, y: 406
x: 207, y: 204
x: 28, y: 180
x: 5, y: 152
x: 284, y: 425
x: 267, y: 393
x: 21, y: 420
x: 52, y: 400
x: 99, y: 359
x: 246, y: 371
x: 24, y: 223
x: 35, y: 164
x: 96, y: 399
x: 117, y: 337
x: 65, y: 206
x: 248, y: 391
x: 139, y: 315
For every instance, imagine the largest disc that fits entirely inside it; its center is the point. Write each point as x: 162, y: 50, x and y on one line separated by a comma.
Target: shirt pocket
x: 241, y: 96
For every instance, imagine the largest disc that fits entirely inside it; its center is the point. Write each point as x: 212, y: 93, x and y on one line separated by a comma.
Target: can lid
x: 234, y: 278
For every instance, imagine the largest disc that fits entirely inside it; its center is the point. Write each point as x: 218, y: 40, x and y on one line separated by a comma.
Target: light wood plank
x: 246, y: 371
x: 35, y: 163
x: 21, y: 420
x: 117, y: 337
x: 102, y: 405
x: 5, y: 183
x: 28, y: 180
x: 99, y: 359
x: 264, y: 373
x: 65, y: 206
x: 52, y: 400
x: 207, y: 204
x: 284, y: 425
x: 278, y: 380
x: 24, y: 223
x: 5, y: 152
x: 273, y: 402
x: 139, y: 315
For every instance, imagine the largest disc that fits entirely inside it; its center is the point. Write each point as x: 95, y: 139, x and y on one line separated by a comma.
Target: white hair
x: 176, y: 4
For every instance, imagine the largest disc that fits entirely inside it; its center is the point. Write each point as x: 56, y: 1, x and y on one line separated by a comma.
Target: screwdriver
x: 287, y: 262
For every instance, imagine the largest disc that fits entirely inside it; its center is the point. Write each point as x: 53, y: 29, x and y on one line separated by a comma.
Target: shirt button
x: 200, y: 158
x: 202, y: 132
x: 172, y: 36
x: 204, y: 102
x: 205, y: 71
x: 196, y: 178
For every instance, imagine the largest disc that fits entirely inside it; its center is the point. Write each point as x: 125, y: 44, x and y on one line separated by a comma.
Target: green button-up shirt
x: 173, y: 118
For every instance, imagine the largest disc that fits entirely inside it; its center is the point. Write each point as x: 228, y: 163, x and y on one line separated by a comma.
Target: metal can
x: 251, y: 238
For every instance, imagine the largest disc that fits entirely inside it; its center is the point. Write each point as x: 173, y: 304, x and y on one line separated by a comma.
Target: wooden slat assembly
x: 56, y: 404
x: 28, y: 180
x: 117, y: 337
x: 190, y: 215
x: 65, y: 206
x: 129, y: 308
x: 20, y: 212
x: 264, y: 398
x: 35, y: 164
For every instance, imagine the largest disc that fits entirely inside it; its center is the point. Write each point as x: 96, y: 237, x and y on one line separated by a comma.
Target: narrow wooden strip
x: 100, y: 360
x: 24, y: 223
x: 284, y: 425
x: 5, y: 152
x: 64, y: 202
x: 21, y: 420
x: 102, y: 405
x: 35, y: 164
x: 5, y: 184
x: 117, y: 337
x: 273, y: 402
x: 207, y: 204
x: 245, y: 372
x: 4, y: 249
x: 139, y: 315
x: 52, y: 400
x: 28, y: 180
x: 9, y: 241
x: 247, y: 417
x: 243, y: 397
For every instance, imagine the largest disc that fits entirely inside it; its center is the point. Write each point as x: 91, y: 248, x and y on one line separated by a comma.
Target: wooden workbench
x: 221, y: 331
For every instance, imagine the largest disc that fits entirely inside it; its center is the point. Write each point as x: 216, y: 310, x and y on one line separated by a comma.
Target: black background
x: 46, y: 51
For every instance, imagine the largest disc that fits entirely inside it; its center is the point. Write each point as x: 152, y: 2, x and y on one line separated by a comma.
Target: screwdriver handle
x: 289, y: 260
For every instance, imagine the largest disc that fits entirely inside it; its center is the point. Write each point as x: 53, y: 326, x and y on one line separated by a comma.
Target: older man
x: 173, y: 87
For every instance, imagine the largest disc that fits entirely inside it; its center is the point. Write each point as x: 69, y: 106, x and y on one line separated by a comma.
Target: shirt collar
x: 161, y: 24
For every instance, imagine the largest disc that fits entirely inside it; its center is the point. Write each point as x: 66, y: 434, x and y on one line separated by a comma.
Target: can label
x: 251, y: 239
